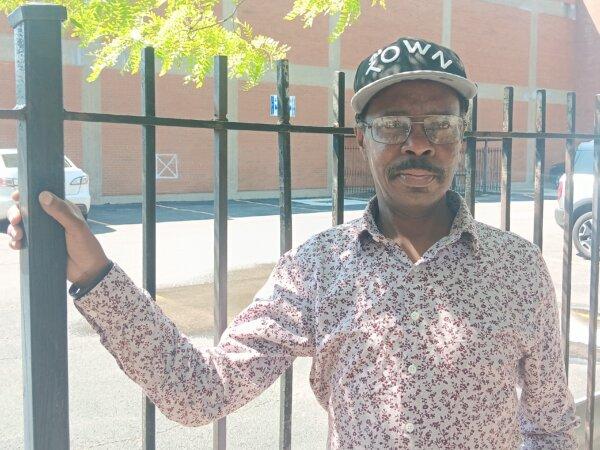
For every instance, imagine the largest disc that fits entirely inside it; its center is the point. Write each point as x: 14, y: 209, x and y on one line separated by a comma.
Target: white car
x: 77, y: 188
x: 583, y: 188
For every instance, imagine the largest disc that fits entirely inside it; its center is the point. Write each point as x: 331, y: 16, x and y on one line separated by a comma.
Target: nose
x: 417, y: 143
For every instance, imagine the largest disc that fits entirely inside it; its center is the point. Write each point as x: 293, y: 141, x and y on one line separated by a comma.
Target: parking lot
x: 106, y: 406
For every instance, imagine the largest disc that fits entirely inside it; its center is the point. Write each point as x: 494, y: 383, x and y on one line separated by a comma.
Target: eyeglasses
x: 439, y: 129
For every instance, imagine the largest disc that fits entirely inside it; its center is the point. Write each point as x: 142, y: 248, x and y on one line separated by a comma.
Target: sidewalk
x: 106, y: 405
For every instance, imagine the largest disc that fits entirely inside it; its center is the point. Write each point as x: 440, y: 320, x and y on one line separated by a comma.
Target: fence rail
x: 488, y: 174
x: 41, y: 116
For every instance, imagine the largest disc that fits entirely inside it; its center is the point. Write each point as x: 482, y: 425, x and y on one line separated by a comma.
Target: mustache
x: 422, y: 164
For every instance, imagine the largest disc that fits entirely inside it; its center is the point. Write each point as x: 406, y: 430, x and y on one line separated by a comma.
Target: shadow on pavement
x: 102, y: 218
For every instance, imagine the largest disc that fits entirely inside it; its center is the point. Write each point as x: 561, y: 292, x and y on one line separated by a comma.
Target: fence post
x: 339, y: 112
x: 38, y: 68
x: 540, y: 158
x: 485, y: 164
x: 149, y: 218
x: 505, y: 187
x: 568, y: 225
x: 285, y: 221
x: 471, y: 160
x: 594, y: 275
x: 220, y: 227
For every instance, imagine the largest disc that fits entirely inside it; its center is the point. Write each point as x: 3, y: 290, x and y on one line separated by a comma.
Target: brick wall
x: 500, y: 44
x: 587, y: 62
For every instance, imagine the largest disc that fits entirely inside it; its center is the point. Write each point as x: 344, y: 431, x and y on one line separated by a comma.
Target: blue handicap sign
x: 274, y: 106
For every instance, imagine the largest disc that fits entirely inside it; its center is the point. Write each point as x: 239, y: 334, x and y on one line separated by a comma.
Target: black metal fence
x: 488, y: 171
x: 359, y: 181
x: 40, y: 116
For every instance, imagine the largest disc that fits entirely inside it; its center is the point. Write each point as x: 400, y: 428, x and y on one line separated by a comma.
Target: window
x: 167, y: 166
x: 584, y: 161
x: 12, y: 160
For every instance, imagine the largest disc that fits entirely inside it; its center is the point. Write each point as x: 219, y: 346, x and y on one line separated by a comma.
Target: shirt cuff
x: 76, y: 291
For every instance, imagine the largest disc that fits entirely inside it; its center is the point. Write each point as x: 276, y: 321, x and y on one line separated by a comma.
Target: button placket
x: 415, y: 319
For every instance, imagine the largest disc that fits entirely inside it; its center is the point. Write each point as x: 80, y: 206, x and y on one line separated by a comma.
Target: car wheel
x: 582, y: 234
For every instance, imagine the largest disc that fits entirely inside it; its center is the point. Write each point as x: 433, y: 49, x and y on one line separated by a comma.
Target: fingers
x: 15, y: 245
x: 15, y: 232
x: 16, y: 237
x: 63, y: 212
x: 14, y: 215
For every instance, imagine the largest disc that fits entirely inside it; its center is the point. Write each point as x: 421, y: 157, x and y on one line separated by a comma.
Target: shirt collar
x: 463, y: 224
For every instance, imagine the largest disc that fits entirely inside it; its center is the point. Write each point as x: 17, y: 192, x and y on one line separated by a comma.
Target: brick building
x: 528, y: 44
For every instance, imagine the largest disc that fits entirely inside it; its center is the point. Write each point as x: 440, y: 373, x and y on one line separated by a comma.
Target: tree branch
x: 193, y: 28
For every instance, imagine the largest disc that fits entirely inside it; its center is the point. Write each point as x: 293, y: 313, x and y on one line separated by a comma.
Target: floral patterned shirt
x: 424, y: 355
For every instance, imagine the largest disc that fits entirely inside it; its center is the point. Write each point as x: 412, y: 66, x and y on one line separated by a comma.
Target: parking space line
x: 276, y: 206
x: 99, y: 223
x: 186, y: 210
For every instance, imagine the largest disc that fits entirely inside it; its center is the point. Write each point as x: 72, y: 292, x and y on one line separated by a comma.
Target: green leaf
x: 186, y: 34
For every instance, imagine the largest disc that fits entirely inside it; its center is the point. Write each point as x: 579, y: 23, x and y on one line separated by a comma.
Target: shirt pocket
x: 465, y: 346
x: 355, y: 309
x: 354, y: 338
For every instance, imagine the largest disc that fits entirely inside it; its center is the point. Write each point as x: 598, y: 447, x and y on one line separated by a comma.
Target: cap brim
x: 466, y: 88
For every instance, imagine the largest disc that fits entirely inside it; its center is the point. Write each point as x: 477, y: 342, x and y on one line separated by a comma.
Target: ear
x: 360, y: 139
x: 360, y: 135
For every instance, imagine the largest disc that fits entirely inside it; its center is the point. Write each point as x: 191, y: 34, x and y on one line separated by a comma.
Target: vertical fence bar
x: 593, y: 323
x: 505, y: 186
x: 568, y: 225
x: 149, y: 218
x: 220, y: 227
x: 339, y: 114
x: 40, y: 140
x: 484, y: 170
x: 285, y: 233
x: 471, y: 159
x: 540, y: 158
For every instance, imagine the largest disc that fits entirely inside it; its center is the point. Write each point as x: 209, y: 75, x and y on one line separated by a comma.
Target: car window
x: 12, y: 160
x: 584, y: 162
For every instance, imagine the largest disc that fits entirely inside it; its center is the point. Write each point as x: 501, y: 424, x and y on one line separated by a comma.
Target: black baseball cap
x: 409, y: 59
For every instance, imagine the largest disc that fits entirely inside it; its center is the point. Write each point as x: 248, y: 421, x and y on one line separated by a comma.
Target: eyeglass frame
x: 370, y: 126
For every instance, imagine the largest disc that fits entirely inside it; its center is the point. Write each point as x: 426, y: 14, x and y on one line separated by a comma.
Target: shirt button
x: 409, y: 427
x: 412, y: 369
x: 415, y: 315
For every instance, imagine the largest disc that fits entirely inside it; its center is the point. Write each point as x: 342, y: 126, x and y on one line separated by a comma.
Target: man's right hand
x: 85, y: 257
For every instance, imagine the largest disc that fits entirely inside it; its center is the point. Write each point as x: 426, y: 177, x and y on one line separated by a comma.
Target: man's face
x: 415, y: 173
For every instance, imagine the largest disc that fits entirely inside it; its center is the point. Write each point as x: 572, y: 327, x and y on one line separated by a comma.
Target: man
x: 421, y: 321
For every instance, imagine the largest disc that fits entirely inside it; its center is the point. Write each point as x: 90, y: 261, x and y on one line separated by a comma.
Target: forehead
x: 414, y: 97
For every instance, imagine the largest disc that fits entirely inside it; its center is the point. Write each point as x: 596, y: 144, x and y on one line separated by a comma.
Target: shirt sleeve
x: 77, y: 290
x: 546, y: 410
x: 196, y: 386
